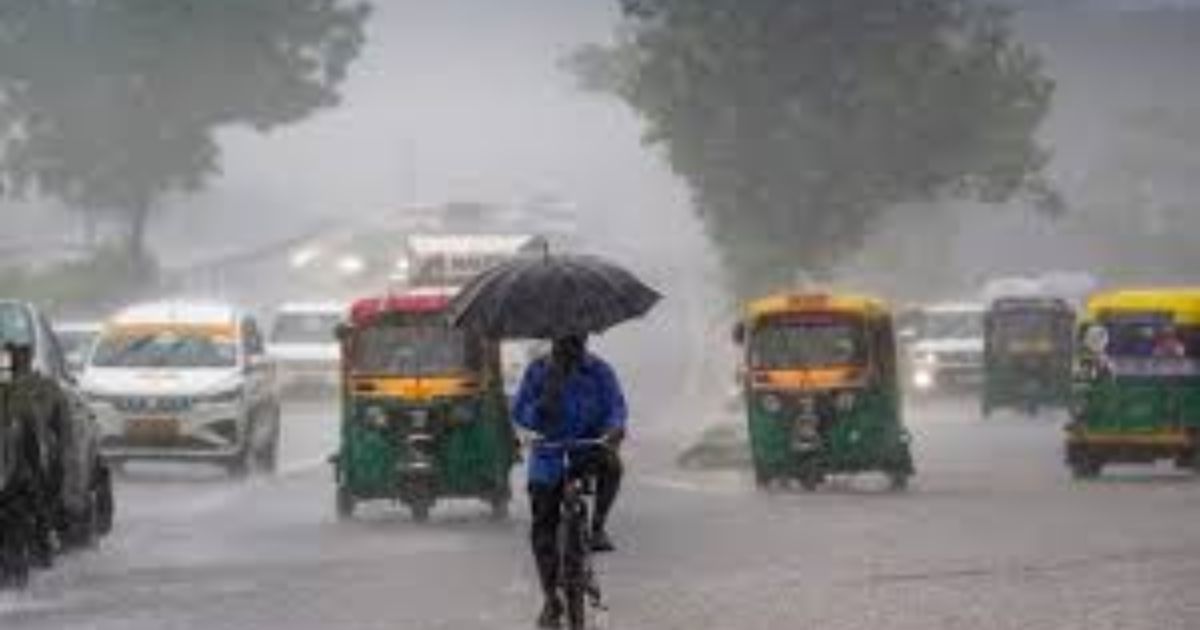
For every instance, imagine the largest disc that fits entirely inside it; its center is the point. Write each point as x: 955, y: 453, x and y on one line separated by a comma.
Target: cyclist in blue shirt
x: 570, y: 395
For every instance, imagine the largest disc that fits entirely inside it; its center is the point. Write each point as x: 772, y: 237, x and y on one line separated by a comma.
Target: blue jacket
x: 592, y: 404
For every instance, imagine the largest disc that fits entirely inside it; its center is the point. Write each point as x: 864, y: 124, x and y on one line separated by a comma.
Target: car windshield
x: 75, y: 342
x: 304, y: 328
x: 15, y: 326
x: 951, y: 325
x: 414, y: 351
x: 165, y: 349
x: 802, y: 344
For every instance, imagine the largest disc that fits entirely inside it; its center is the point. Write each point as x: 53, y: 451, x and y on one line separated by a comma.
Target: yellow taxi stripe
x: 818, y: 378
x: 413, y: 388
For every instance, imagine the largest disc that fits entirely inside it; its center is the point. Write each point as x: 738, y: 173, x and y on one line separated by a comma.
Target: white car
x: 304, y: 346
x: 945, y: 348
x: 184, y: 381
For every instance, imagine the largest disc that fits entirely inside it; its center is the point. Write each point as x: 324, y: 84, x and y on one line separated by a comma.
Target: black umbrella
x: 547, y: 297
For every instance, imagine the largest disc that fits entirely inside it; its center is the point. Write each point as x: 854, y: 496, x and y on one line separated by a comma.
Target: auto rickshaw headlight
x: 771, y: 403
x: 807, y: 426
x: 462, y: 412
x: 376, y: 417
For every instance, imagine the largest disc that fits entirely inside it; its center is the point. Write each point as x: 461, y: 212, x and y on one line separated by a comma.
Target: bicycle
x: 576, y: 575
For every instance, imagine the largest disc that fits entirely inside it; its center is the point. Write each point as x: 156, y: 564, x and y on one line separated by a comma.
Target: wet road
x: 993, y: 535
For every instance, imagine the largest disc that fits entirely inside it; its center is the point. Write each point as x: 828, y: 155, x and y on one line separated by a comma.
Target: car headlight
x: 771, y: 403
x: 418, y: 419
x: 923, y: 379
x: 375, y: 416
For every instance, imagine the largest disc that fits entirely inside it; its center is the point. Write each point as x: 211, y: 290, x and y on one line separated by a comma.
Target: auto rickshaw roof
x: 802, y: 302
x: 1183, y: 303
x: 416, y: 301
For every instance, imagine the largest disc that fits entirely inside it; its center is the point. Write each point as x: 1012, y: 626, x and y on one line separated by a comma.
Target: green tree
x: 799, y: 123
x: 110, y: 105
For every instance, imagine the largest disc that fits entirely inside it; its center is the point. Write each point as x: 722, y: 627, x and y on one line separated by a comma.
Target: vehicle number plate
x: 152, y: 429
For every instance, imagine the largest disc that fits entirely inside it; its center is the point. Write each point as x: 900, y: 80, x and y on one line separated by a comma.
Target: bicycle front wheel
x: 575, y: 571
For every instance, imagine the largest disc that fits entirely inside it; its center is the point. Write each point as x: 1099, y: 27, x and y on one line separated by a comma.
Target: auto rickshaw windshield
x: 424, y: 350
x: 1147, y: 337
x: 1027, y: 332
x: 797, y: 343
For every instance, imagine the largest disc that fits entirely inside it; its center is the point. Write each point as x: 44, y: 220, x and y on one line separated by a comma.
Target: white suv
x: 184, y: 381
x: 303, y: 344
x: 945, y: 348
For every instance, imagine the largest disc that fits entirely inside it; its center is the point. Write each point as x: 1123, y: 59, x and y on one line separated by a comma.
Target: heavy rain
x: 890, y: 312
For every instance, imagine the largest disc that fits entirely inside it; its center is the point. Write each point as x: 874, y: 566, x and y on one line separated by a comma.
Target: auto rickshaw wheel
x: 897, y: 480
x: 420, y: 511
x: 499, y: 508
x: 762, y: 478
x: 345, y: 503
x: 810, y: 479
x: 1086, y: 467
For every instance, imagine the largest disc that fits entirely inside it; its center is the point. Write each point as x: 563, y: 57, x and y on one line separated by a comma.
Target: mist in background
x: 464, y: 100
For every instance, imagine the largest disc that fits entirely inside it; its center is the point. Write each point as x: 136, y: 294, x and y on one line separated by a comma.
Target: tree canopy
x: 109, y: 105
x: 799, y: 123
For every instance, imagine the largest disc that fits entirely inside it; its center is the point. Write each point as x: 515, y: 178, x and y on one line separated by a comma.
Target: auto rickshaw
x: 424, y: 415
x: 1028, y: 346
x: 821, y: 389
x: 1137, y: 381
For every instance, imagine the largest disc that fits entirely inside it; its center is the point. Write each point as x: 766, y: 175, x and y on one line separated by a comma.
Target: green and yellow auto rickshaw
x: 1137, y: 392
x: 821, y: 389
x: 424, y: 415
x: 1028, y: 354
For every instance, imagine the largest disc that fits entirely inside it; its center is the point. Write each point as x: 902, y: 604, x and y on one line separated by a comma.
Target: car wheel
x: 268, y: 454
x: 81, y: 527
x: 105, y: 505
x: 239, y: 465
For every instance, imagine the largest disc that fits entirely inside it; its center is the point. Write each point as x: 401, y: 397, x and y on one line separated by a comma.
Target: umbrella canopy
x: 548, y: 297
